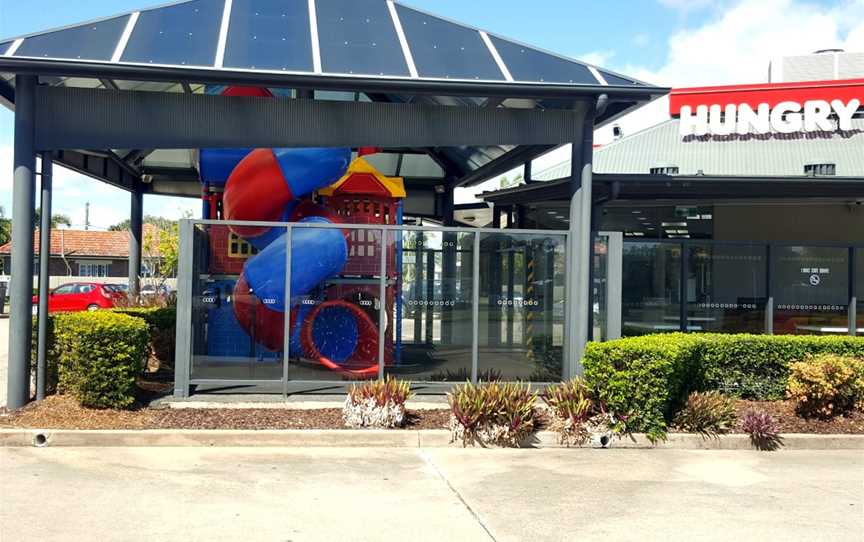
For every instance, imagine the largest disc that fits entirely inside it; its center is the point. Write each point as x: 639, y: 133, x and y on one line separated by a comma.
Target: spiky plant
x: 577, y: 414
x: 377, y: 403
x: 762, y: 428
x: 496, y: 413
x: 710, y: 413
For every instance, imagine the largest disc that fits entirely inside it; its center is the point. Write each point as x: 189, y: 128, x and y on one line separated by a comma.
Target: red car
x: 82, y: 296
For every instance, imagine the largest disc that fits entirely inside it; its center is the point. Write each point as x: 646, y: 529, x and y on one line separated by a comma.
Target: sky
x: 674, y: 43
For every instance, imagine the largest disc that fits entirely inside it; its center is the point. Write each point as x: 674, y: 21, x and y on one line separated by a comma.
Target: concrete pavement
x: 289, y: 494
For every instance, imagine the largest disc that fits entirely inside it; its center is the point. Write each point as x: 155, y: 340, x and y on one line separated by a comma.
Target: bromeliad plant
x: 492, y: 413
x: 377, y: 404
x: 578, y: 416
x: 762, y: 428
x: 710, y: 413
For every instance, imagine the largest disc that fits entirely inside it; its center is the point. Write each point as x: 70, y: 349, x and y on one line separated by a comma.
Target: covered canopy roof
x: 332, y: 38
x: 354, y: 50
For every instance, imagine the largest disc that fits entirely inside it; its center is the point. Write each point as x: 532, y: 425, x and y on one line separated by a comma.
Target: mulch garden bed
x: 790, y: 422
x: 63, y: 412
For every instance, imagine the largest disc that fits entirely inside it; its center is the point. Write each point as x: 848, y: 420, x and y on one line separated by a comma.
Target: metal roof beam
x: 98, y: 119
x: 171, y: 74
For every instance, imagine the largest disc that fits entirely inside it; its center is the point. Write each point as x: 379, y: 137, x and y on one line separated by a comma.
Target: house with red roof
x: 88, y: 253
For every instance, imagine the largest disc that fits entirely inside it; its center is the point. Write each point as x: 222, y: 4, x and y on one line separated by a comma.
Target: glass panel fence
x: 811, y: 289
x: 651, y: 297
x: 238, y: 303
x: 859, y: 288
x: 336, y: 303
x: 430, y: 287
x: 599, y: 276
x: 522, y: 280
x: 726, y: 288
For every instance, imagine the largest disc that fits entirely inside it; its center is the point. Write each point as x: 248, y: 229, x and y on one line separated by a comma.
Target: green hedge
x: 158, y: 318
x: 648, y: 378
x: 99, y: 356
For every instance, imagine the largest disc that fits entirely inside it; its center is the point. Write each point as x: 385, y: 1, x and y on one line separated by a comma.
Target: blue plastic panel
x: 358, y: 37
x: 185, y: 35
x: 531, y: 65
x: 615, y: 80
x: 445, y: 50
x: 269, y: 35
x: 95, y: 41
x: 5, y: 47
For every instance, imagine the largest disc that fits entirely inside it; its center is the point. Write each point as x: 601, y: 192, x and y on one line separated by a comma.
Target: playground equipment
x: 331, y: 322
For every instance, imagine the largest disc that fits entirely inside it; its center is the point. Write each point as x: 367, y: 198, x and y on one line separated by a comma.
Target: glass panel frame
x: 236, y: 319
x: 269, y: 35
x: 358, y: 37
x: 94, y: 41
x: 182, y: 34
x: 811, y: 286
x: 522, y: 308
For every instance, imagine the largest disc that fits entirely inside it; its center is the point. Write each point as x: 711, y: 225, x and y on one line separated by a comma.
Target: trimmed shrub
x: 763, y: 430
x: 647, y: 379
x: 757, y: 366
x: 710, y: 413
x: 99, y: 356
x: 162, y: 322
x: 826, y: 385
x: 495, y: 413
x: 378, y: 403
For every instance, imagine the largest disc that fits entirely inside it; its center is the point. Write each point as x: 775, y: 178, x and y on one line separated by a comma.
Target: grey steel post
x: 769, y: 316
x: 382, y: 305
x: 286, y: 345
x: 475, y: 309
x: 136, y: 218
x: 44, y: 273
x: 21, y: 281
x: 853, y: 294
x: 614, y: 284
x: 579, y: 270
x: 183, y: 345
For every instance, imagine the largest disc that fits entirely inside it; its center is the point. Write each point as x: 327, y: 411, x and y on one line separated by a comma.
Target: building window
x: 667, y: 170
x: 238, y: 248
x: 814, y: 170
x: 93, y: 269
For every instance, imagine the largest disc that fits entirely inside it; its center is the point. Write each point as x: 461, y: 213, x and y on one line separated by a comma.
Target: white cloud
x: 173, y: 208
x: 738, y: 44
x: 597, y: 58
x: 685, y: 5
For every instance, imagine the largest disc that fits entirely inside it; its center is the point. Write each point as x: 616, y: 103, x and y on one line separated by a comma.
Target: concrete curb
x: 16, y: 438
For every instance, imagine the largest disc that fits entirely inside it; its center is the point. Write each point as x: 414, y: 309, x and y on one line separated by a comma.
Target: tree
x: 5, y: 227
x: 58, y: 219
x: 158, y: 221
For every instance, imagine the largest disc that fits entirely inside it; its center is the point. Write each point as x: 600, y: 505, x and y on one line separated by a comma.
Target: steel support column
x: 185, y: 281
x: 136, y: 220
x: 579, y: 245
x: 21, y: 281
x: 44, y: 273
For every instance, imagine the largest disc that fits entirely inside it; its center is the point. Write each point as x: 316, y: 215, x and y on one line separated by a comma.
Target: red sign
x: 768, y: 93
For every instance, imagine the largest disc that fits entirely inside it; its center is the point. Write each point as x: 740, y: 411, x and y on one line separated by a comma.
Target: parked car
x: 82, y: 296
x: 150, y: 290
